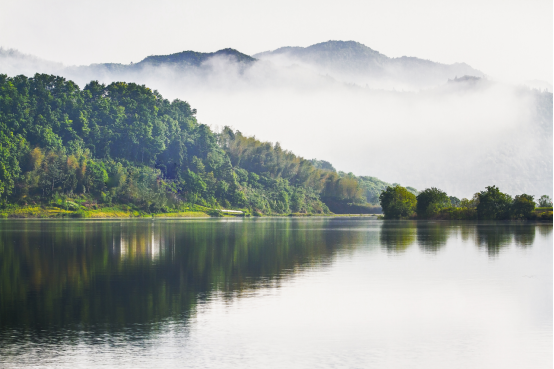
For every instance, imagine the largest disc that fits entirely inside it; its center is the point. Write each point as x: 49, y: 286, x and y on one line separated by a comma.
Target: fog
x: 459, y: 136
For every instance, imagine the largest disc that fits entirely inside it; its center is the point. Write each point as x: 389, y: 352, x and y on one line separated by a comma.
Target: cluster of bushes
x: 491, y: 204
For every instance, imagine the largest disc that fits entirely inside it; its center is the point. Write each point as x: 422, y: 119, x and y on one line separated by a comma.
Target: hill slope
x: 125, y: 144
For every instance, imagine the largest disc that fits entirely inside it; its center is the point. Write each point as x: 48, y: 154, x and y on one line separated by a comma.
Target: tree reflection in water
x: 397, y: 236
x: 128, y: 277
x: 432, y: 236
x: 106, y: 275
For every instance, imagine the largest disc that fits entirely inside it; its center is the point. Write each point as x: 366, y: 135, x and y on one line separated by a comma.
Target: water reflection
x: 397, y: 236
x: 524, y: 235
x: 143, y: 243
x: 108, y: 276
x: 545, y: 230
x: 432, y: 236
x: 494, y: 237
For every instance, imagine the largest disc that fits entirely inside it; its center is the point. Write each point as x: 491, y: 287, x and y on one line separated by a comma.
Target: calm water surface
x: 275, y: 293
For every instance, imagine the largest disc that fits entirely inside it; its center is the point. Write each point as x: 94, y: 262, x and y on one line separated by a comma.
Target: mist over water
x: 459, y: 136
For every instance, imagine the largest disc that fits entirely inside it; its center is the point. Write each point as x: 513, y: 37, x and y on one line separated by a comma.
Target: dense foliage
x: 433, y: 203
x: 430, y: 202
x: 397, y: 202
x: 124, y: 143
x: 493, y: 204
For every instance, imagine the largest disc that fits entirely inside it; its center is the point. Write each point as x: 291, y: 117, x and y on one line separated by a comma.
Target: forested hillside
x: 125, y: 144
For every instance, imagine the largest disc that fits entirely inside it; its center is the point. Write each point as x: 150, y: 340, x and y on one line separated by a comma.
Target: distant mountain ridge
x: 196, y: 58
x: 182, y: 59
x: 344, y: 61
x: 329, y: 53
x: 354, y: 62
x: 326, y: 88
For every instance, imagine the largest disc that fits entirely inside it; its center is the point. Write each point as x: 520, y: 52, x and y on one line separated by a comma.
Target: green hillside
x: 124, y: 144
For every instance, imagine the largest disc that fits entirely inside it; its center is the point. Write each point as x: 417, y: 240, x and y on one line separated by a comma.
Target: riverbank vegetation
x: 491, y: 204
x: 123, y: 146
x: 123, y: 150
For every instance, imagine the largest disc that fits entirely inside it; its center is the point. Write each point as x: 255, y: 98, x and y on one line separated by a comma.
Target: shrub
x: 397, y: 202
x: 493, y: 204
x: 214, y: 213
x: 430, y: 202
x: 458, y: 213
x: 71, y: 205
x: 522, y: 206
x: 78, y: 214
x: 546, y: 215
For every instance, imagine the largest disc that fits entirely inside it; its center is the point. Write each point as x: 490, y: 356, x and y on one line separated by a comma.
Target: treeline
x: 491, y: 204
x: 123, y: 143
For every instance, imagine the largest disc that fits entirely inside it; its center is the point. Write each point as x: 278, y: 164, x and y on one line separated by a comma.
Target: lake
x: 275, y: 293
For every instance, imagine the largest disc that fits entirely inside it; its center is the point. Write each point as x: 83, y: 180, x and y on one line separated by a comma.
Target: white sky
x: 508, y: 40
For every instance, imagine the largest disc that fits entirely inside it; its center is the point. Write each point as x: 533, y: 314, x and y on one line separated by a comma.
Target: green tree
x: 493, y: 204
x: 430, y: 202
x: 9, y: 163
x: 298, y: 201
x: 454, y: 201
x: 545, y: 201
x: 53, y: 173
x: 283, y: 202
x: 96, y: 177
x: 522, y: 206
x: 397, y: 202
x: 470, y: 204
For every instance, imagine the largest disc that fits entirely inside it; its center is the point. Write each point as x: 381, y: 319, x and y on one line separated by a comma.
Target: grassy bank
x: 49, y: 211
x: 61, y: 211
x: 122, y: 211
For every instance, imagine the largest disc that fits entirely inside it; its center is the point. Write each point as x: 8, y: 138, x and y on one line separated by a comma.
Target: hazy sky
x: 509, y: 40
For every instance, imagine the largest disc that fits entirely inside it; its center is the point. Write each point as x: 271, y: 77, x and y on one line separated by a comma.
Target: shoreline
x: 203, y: 216
x: 39, y: 212
x: 197, y: 212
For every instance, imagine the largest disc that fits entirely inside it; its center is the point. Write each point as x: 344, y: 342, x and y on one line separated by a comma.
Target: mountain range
x: 354, y: 62
x: 405, y: 120
x: 182, y: 60
x: 344, y: 61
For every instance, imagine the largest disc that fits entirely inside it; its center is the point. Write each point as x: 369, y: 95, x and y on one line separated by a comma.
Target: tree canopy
x: 431, y: 201
x: 397, y: 202
x: 493, y: 204
x: 124, y: 143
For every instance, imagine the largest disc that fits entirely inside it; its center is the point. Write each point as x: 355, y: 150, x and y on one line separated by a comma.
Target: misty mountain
x: 461, y: 134
x: 14, y: 62
x: 354, y: 62
x: 182, y: 60
x: 182, y: 65
x: 538, y: 85
x: 338, y: 61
